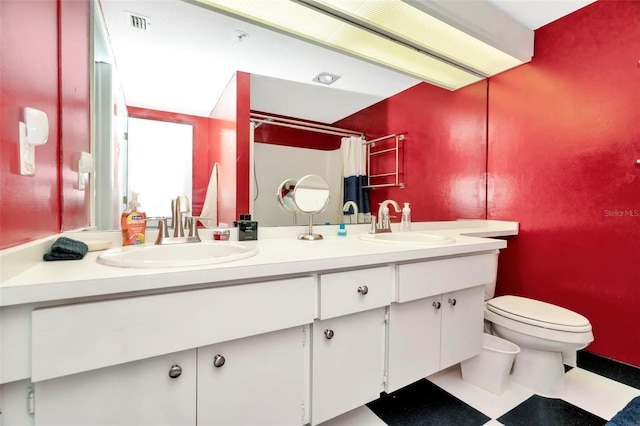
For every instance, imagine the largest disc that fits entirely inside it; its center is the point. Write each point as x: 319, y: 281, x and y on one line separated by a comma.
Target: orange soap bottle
x: 133, y: 223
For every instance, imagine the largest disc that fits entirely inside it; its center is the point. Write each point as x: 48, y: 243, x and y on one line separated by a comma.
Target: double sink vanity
x: 278, y: 331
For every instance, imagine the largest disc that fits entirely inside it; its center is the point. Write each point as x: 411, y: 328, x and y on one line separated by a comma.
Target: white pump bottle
x: 405, y: 223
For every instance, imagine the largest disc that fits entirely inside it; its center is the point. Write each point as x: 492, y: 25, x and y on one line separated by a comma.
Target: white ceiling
x: 536, y: 13
x: 187, y: 58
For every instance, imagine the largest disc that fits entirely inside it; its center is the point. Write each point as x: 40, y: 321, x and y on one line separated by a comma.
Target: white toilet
x: 543, y: 332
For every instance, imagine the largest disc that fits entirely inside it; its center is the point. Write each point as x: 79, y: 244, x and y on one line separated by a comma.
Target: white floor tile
x: 596, y: 394
x: 486, y: 402
x: 493, y: 423
x: 361, y: 416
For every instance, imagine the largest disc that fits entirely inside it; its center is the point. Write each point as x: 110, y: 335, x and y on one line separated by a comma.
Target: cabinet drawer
x: 82, y: 337
x: 425, y: 279
x: 343, y: 293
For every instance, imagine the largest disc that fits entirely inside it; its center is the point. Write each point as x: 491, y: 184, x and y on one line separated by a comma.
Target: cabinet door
x: 414, y: 341
x: 347, y: 363
x: 462, y: 325
x: 136, y: 393
x: 258, y: 380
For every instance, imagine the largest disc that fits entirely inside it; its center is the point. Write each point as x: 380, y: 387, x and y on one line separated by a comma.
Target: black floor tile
x: 423, y: 403
x: 615, y: 370
x: 540, y: 411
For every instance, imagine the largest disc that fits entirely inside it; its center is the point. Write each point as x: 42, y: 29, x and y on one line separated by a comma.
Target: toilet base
x: 540, y: 371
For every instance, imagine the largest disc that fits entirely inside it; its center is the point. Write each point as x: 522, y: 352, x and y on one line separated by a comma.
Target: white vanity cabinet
x: 300, y: 347
x: 136, y: 393
x: 430, y: 330
x: 348, y: 363
x: 349, y: 341
x: 259, y: 380
x: 114, y: 357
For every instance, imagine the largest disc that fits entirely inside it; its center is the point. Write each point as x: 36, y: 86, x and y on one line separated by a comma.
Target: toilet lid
x: 538, y: 313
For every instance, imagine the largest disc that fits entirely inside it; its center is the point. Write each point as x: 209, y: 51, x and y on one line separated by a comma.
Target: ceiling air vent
x: 139, y: 22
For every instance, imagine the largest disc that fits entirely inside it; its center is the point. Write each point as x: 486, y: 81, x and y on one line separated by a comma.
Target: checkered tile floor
x: 596, y: 390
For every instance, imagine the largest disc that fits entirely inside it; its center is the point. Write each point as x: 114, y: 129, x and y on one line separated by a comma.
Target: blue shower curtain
x: 354, y: 173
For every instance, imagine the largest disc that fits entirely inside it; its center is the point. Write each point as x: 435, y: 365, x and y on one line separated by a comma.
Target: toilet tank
x: 490, y: 287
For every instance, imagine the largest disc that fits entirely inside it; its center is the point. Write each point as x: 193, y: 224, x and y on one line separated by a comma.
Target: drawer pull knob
x: 175, y: 371
x: 452, y: 302
x: 436, y: 305
x: 363, y: 290
x: 328, y: 334
x: 218, y: 361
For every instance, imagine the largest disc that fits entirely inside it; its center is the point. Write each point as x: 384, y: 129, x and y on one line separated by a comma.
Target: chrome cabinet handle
x: 436, y: 305
x: 452, y: 302
x: 363, y: 290
x: 175, y: 371
x: 328, y: 334
x: 218, y: 361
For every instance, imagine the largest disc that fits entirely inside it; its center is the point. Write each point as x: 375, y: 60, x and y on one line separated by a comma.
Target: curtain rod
x: 303, y: 125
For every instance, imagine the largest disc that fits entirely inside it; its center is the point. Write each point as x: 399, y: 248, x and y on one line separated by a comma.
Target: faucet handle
x: 192, y: 224
x: 374, y: 225
x: 162, y: 223
x: 163, y: 231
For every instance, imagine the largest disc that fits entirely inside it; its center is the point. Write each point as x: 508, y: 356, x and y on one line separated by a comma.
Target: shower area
x: 283, y: 148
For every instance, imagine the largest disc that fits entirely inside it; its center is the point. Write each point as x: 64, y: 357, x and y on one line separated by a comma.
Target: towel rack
x: 391, y: 178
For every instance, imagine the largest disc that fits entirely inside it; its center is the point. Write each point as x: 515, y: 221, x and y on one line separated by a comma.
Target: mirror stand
x: 308, y: 195
x: 310, y: 236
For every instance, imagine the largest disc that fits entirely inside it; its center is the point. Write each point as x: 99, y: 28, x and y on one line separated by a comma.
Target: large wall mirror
x: 177, y: 57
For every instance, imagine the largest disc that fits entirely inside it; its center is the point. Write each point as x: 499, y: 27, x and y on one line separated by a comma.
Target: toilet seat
x: 539, y: 314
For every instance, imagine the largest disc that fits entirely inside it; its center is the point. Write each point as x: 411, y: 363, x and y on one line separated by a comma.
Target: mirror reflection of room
x: 364, y: 98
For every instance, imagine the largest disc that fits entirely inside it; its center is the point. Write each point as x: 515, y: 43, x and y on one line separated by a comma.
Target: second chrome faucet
x: 383, y: 224
x: 354, y: 206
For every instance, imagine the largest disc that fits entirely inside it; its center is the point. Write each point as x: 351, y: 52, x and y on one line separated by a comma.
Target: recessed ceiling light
x: 326, y: 78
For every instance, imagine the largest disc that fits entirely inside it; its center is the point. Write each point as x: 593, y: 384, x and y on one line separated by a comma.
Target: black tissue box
x: 247, y: 229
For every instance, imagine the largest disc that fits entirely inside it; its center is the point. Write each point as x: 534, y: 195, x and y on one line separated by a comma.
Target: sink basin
x: 176, y: 255
x: 408, y: 238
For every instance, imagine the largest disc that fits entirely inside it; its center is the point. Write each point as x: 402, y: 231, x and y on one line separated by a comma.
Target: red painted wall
x: 564, y: 136
x: 201, y: 146
x: 57, y: 39
x: 231, y: 134
x: 444, y: 153
x: 243, y: 141
x: 28, y: 77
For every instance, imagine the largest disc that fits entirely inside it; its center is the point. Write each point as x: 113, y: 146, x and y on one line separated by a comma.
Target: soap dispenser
x: 133, y: 223
x: 405, y: 223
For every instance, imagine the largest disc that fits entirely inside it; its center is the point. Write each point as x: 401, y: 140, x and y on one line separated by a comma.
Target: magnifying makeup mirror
x: 308, y: 195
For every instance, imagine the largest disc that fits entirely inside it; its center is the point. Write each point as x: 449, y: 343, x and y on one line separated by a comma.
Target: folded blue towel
x: 628, y: 416
x: 66, y: 249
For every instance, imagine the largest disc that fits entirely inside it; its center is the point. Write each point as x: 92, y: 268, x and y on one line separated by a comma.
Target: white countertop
x: 28, y: 279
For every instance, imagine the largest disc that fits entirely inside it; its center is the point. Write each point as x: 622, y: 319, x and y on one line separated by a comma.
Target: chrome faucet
x: 383, y: 224
x: 353, y: 204
x: 179, y: 207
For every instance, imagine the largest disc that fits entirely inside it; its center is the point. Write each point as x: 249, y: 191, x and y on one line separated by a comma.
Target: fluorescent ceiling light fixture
x: 326, y: 30
x: 326, y: 78
x: 412, y: 26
